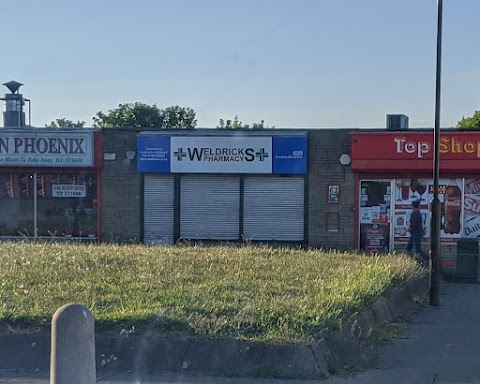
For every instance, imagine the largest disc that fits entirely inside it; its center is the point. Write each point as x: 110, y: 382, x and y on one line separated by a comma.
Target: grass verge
x: 247, y: 293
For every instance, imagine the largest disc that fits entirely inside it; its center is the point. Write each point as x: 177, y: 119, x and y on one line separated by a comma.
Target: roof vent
x: 13, y: 115
x: 13, y: 85
x: 397, y: 122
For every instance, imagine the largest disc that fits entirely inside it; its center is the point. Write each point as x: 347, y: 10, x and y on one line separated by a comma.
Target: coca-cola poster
x: 451, y: 219
x: 450, y: 195
x: 471, y: 208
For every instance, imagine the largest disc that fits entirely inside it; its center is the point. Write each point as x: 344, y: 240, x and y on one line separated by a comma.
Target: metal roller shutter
x: 274, y: 208
x: 158, y: 209
x: 209, y: 207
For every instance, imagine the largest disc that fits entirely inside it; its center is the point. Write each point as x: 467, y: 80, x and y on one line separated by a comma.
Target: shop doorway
x: 375, y: 216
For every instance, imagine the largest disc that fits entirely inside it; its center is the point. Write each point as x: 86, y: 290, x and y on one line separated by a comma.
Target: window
x: 56, y: 204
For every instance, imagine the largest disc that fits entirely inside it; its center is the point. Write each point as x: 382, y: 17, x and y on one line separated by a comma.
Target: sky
x: 291, y: 63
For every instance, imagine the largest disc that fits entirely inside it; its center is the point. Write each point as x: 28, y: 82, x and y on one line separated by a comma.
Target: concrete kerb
x: 349, y: 348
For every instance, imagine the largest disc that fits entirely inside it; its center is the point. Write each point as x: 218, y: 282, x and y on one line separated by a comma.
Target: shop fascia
x: 222, y: 153
x: 46, y: 148
x: 457, y: 149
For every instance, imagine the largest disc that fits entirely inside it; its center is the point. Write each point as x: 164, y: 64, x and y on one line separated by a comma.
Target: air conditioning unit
x: 397, y: 122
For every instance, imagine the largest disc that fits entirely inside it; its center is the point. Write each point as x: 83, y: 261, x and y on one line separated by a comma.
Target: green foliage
x: 140, y: 115
x: 237, y: 124
x: 130, y: 115
x: 246, y: 293
x: 179, y: 118
x: 470, y: 122
x: 65, y: 123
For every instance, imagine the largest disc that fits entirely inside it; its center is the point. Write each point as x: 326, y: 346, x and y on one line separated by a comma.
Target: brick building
x: 356, y: 191
x: 327, y: 223
x: 325, y: 188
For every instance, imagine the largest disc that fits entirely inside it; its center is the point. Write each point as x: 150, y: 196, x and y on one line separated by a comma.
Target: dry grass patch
x: 250, y: 293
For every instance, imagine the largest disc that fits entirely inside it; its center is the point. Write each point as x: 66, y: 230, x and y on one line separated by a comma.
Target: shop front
x: 393, y: 169
x: 221, y: 185
x: 50, y: 183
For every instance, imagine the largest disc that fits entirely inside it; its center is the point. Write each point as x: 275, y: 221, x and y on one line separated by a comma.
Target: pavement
x: 441, y: 346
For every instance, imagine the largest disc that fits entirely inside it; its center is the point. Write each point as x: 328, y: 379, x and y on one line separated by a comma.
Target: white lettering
x: 419, y: 148
x: 410, y: 147
x: 399, y: 141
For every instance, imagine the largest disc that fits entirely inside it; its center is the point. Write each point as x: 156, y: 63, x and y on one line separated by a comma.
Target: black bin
x: 467, y: 260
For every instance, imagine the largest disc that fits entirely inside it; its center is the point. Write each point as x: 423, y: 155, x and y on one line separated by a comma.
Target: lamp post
x: 435, y: 218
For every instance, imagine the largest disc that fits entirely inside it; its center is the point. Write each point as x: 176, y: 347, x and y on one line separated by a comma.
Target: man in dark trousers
x: 416, y: 231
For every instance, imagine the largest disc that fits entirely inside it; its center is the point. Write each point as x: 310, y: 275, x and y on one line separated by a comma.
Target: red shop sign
x: 401, y: 151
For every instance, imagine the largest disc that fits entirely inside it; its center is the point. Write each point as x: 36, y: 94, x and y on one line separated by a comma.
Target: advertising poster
x: 406, y: 191
x: 471, y: 209
x: 375, y: 238
x: 333, y: 194
x: 451, y: 202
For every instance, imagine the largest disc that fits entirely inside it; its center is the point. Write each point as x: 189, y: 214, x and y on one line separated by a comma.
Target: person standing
x: 416, y: 231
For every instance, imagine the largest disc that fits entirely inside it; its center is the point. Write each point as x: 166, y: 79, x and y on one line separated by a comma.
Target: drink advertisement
x: 451, y: 218
x: 407, y: 191
x: 450, y: 196
x: 471, y: 208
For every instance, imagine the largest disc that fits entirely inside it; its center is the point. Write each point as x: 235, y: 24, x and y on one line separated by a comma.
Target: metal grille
x: 274, y: 208
x: 209, y: 207
x: 158, y: 209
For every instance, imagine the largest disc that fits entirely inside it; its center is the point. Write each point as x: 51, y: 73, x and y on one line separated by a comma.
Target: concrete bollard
x: 73, y: 346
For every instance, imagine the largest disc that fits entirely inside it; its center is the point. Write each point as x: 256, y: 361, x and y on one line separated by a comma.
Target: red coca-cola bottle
x: 453, y: 208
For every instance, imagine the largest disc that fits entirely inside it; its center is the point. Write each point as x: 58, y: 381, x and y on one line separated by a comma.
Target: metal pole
x: 435, y: 223
x: 29, y: 112
x: 35, y: 205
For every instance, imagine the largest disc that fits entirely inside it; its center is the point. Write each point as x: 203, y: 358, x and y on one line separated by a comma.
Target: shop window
x: 65, y: 205
x: 16, y: 205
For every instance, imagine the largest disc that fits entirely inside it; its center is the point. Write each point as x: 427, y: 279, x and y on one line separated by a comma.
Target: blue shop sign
x: 222, y: 154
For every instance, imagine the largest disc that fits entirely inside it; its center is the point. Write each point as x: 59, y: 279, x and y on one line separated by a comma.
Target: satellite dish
x: 13, y: 86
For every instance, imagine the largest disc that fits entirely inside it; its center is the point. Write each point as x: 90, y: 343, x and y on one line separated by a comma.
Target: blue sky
x: 292, y: 63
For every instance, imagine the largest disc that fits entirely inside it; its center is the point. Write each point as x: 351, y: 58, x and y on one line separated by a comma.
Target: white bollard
x: 73, y: 346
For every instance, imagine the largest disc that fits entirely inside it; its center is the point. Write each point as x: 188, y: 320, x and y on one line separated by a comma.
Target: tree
x: 140, y: 115
x: 237, y: 124
x: 65, y: 123
x: 179, y: 118
x: 470, y: 122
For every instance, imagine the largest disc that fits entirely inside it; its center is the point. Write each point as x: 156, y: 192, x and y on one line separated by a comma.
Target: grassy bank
x: 252, y: 293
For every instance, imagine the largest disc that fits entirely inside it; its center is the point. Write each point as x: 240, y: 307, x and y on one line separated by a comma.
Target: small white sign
x: 109, y: 156
x: 68, y: 190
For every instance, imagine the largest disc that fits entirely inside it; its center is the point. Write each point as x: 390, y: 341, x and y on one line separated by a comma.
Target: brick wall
x: 122, y: 193
x: 121, y: 189
x: 325, y: 146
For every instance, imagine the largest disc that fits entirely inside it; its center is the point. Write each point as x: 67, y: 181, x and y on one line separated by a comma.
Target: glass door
x: 375, y: 216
